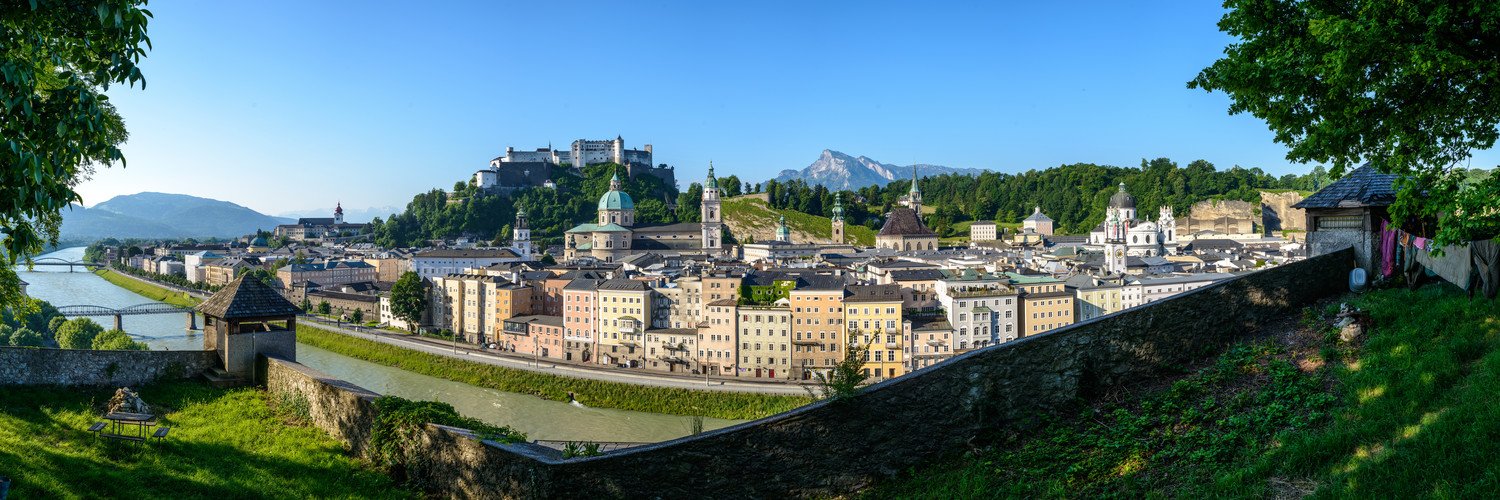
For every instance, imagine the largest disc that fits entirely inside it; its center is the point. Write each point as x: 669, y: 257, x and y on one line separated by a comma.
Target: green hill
x: 750, y: 219
x: 1405, y: 411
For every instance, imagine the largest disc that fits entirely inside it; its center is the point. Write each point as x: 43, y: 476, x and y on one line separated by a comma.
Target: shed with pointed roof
x: 1348, y: 212
x: 245, y: 319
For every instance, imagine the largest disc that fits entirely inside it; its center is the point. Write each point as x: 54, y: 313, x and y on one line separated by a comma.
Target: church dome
x: 616, y: 200
x: 1122, y: 199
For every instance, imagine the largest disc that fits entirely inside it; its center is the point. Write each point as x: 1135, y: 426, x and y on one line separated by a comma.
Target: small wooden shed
x: 245, y: 319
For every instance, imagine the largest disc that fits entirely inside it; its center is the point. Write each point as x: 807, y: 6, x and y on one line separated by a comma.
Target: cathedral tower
x: 713, y: 229
x: 838, y: 218
x: 521, y: 234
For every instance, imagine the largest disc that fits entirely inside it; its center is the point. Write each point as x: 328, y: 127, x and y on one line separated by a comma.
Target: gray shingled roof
x: 904, y: 222
x: 247, y: 298
x: 1364, y: 187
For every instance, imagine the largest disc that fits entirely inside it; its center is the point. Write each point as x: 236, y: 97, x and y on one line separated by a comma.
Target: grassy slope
x: 152, y: 292
x: 751, y: 216
x: 223, y: 444
x: 601, y: 394
x: 1411, y: 413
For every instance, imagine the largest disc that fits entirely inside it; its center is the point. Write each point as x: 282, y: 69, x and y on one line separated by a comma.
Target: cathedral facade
x: 1122, y: 234
x: 614, y: 234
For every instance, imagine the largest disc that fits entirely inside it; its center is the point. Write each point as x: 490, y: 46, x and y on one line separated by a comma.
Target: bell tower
x: 838, y: 218
x: 713, y: 228
x: 521, y: 234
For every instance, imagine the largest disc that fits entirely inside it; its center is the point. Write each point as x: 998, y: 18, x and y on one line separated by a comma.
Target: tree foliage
x: 77, y: 333
x: 1074, y: 195
x: 57, y: 58
x: 117, y: 340
x: 409, y: 298
x: 1412, y: 87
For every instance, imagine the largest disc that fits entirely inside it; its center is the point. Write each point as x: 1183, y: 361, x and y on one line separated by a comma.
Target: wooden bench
x: 97, y: 428
x: 161, y: 433
x: 122, y: 437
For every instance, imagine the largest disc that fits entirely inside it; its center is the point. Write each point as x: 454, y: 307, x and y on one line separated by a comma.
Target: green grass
x: 152, y: 292
x: 1411, y: 413
x: 223, y: 444
x: 595, y: 393
x: 746, y: 214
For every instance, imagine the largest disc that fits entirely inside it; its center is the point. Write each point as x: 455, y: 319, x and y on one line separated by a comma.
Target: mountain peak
x: 837, y: 170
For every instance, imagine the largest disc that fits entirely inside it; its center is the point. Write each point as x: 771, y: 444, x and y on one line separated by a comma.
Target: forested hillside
x: 1074, y: 195
x: 485, y: 215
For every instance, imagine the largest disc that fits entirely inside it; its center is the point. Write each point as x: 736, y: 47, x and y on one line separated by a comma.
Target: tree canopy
x: 56, y: 59
x: 409, y: 299
x: 1412, y: 87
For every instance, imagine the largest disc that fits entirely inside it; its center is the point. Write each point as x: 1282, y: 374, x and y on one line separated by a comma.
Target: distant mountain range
x: 351, y: 215
x: 163, y: 215
x: 836, y: 170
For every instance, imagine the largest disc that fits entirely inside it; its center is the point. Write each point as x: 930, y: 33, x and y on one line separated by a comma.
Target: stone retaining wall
x: 343, y: 410
x: 830, y: 448
x: 27, y: 366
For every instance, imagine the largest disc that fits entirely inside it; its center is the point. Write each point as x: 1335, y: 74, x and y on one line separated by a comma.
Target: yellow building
x: 1094, y: 298
x: 1046, y: 304
x: 817, y: 325
x: 624, y: 315
x: 872, y: 317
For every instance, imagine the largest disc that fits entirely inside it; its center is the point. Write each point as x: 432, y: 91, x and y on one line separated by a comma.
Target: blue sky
x: 285, y: 106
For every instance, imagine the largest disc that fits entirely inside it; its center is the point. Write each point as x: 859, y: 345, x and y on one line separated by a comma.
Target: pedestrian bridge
x: 138, y: 309
x: 54, y: 261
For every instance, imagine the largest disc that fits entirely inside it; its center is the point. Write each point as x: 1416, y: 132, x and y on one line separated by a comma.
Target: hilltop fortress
x: 518, y: 169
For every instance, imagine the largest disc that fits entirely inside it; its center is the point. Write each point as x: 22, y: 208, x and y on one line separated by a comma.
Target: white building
x: 1139, y: 238
x: 983, y: 230
x: 438, y: 263
x: 982, y: 309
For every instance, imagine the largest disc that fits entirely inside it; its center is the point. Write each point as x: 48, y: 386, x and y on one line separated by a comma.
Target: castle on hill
x: 517, y: 169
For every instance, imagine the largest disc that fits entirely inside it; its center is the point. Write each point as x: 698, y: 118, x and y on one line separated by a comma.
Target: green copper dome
x: 616, y: 200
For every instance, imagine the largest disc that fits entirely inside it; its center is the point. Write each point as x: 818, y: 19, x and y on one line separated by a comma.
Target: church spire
x: 614, y: 182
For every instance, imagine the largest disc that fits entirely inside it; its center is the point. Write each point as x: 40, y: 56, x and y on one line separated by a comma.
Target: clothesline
x: 1471, y: 265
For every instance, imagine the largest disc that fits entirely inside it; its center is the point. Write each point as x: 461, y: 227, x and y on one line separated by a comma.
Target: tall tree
x: 57, y: 57
x: 1412, y: 87
x: 409, y: 298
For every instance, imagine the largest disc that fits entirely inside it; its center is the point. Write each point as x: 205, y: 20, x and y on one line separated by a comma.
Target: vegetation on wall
x: 398, y: 428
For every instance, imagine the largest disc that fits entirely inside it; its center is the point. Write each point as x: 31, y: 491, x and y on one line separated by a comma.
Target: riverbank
x: 148, y: 290
x: 594, y: 393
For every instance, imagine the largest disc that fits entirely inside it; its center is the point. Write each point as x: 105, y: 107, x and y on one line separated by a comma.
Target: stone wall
x: 1225, y: 216
x: 1277, y: 214
x: 830, y: 448
x: 26, y: 366
x: 343, y: 410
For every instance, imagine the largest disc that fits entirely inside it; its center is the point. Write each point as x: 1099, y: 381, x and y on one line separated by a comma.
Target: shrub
x: 27, y: 337
x: 78, y: 333
x: 117, y: 340
x: 398, y: 426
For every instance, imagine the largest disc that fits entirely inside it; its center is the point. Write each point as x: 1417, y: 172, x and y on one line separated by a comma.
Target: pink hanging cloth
x: 1387, y: 248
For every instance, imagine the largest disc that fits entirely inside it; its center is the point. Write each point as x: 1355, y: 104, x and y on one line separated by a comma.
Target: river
x: 538, y: 418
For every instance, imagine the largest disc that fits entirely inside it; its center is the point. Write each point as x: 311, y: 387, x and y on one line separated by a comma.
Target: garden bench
x: 96, y: 428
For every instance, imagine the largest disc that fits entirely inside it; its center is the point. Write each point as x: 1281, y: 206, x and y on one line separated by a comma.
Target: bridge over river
x: 138, y: 309
x: 71, y: 264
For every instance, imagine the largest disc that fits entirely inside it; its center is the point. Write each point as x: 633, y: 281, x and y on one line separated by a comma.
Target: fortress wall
x: 29, y: 366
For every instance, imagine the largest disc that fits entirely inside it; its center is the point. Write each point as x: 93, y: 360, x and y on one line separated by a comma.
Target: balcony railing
x: 674, y: 347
